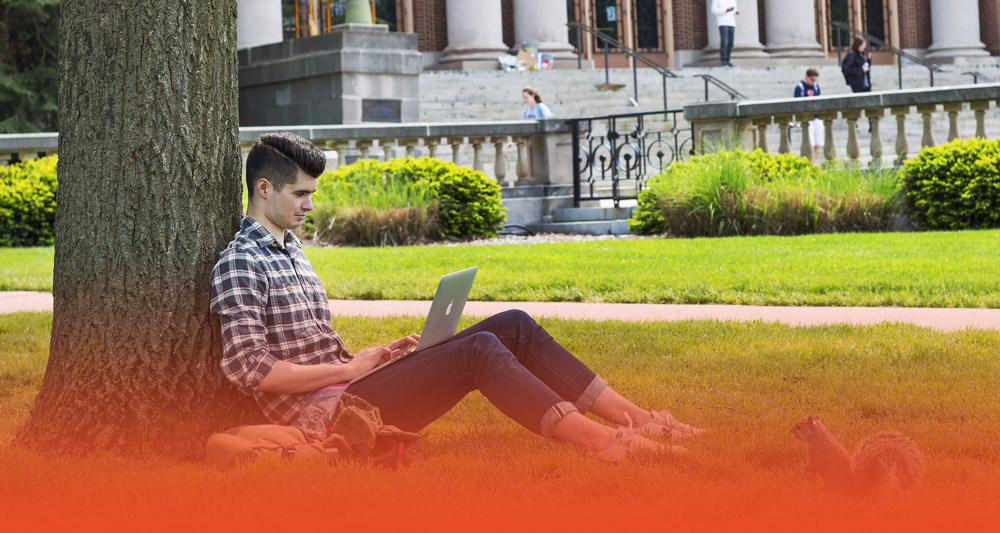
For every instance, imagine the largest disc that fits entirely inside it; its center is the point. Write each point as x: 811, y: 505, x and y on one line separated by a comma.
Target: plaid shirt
x: 272, y: 307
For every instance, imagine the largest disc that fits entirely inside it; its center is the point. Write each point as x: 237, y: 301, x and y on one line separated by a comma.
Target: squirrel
x: 883, y: 463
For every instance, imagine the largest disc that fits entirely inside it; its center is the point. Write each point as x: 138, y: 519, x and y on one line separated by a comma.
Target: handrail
x: 733, y: 93
x: 615, y: 43
x: 609, y: 40
x: 882, y: 44
x: 976, y: 76
x: 664, y: 72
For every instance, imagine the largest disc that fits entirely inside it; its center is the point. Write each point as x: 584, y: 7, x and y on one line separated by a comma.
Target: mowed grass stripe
x: 926, y: 269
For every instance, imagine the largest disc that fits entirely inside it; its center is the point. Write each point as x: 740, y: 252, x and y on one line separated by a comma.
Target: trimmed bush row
x: 405, y: 201
x: 28, y: 202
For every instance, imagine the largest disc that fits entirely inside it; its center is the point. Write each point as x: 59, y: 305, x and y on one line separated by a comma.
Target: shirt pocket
x: 288, y: 303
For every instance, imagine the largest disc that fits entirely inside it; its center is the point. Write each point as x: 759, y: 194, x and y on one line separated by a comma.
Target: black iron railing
x: 614, y: 155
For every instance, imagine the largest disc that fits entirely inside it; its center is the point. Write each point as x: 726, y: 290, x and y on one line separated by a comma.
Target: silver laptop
x: 446, y: 311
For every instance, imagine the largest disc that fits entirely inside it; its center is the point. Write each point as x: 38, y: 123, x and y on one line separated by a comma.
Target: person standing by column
x: 725, y: 12
x: 804, y: 89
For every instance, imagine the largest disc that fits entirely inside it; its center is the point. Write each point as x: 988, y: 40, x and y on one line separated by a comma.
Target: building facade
x: 470, y: 34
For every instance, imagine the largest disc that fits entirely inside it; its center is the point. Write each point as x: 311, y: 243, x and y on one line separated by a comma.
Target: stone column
x: 475, y: 35
x: 955, y: 31
x: 746, y: 48
x: 258, y: 22
x: 791, y: 29
x: 544, y: 21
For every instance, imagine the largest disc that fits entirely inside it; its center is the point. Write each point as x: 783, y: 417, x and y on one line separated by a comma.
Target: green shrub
x: 404, y: 197
x: 955, y: 185
x: 754, y: 193
x: 28, y: 202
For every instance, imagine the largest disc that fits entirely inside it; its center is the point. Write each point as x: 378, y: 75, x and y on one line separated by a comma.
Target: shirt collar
x: 259, y: 234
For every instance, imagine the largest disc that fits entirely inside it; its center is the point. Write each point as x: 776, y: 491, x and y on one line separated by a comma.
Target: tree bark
x: 149, y: 193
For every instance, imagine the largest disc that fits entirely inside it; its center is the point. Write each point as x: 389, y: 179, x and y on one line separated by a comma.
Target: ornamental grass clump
x: 754, y: 193
x: 363, y: 205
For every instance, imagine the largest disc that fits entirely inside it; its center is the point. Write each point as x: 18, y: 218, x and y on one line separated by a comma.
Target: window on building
x: 647, y: 24
x: 303, y: 18
x: 606, y: 18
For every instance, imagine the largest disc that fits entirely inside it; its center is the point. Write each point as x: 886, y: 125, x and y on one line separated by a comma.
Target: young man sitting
x: 280, y: 348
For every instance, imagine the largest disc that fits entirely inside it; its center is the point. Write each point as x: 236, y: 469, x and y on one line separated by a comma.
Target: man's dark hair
x: 279, y: 156
x: 812, y: 73
x: 856, y: 45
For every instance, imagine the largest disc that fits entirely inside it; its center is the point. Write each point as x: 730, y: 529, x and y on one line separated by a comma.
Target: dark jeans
x: 726, y: 36
x: 508, y: 357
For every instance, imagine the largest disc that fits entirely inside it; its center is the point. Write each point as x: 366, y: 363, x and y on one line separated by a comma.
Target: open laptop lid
x: 442, y: 319
x: 446, y: 309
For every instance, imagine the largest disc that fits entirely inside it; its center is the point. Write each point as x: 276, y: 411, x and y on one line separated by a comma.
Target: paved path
x: 940, y: 319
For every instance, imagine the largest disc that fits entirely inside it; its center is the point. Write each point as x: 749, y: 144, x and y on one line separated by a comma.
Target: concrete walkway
x: 939, y: 319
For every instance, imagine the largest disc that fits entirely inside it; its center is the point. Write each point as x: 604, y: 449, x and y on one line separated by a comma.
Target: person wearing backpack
x: 725, y: 12
x: 857, y: 66
x: 804, y: 89
x: 280, y: 348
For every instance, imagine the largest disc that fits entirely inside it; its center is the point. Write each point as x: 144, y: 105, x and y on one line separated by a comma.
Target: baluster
x: 784, y: 146
x: 853, y: 147
x: 953, y: 109
x: 805, y: 149
x: 874, y: 117
x: 980, y: 111
x: 388, y: 146
x: 927, y: 112
x: 477, y: 153
x: 829, y: 144
x: 522, y: 158
x: 902, y: 145
x: 499, y: 166
x: 351, y: 153
x: 761, y: 123
x: 432, y: 146
x: 456, y: 143
x: 411, y: 147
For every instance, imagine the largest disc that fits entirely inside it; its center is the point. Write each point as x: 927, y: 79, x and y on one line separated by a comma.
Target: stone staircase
x: 496, y: 95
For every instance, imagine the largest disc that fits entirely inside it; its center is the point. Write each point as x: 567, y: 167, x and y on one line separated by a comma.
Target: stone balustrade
x: 746, y: 123
x: 525, y: 152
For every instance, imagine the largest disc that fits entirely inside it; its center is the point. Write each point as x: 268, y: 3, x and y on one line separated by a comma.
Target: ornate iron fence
x: 614, y: 155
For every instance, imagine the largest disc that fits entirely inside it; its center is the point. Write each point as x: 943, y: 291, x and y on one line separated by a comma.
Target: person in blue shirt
x: 806, y: 88
x: 533, y: 100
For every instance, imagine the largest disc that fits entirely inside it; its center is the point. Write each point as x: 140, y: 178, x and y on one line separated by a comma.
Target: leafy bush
x: 404, y: 201
x: 28, y: 203
x: 955, y: 185
x: 754, y: 193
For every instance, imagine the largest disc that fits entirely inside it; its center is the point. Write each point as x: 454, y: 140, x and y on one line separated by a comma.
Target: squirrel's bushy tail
x: 887, y: 462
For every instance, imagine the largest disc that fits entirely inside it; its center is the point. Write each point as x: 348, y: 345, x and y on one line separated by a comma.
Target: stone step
x: 584, y: 214
x: 600, y: 227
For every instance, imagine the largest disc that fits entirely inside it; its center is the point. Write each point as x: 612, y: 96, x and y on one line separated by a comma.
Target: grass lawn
x: 933, y: 269
x: 747, y: 382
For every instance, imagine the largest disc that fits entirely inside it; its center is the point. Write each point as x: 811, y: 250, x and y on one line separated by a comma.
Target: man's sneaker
x: 664, y: 425
x: 627, y: 441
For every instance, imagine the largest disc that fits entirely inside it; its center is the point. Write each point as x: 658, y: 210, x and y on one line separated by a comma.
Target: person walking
x: 533, y: 100
x: 857, y: 67
x: 804, y: 89
x: 725, y: 12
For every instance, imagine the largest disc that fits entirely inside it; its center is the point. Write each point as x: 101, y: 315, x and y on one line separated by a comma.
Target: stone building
x: 470, y: 34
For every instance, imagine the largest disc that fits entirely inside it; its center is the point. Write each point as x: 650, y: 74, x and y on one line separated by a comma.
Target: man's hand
x: 728, y: 9
x: 401, y: 346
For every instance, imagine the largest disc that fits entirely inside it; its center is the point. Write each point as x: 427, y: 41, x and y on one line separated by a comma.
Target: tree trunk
x: 149, y: 193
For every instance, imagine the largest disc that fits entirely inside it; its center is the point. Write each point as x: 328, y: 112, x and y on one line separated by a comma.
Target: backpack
x: 356, y: 432
x: 843, y: 68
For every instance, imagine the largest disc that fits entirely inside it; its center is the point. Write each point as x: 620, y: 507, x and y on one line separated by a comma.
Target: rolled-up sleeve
x: 239, y: 298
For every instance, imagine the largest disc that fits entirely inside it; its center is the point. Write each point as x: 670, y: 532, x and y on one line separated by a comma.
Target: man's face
x: 287, y: 208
